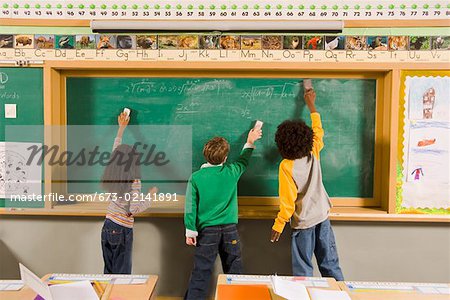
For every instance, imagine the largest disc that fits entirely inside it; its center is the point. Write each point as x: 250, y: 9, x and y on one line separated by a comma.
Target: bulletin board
x: 424, y: 139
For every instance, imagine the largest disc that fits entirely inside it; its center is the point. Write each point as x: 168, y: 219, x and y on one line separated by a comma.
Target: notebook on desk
x: 243, y: 292
x: 119, y: 279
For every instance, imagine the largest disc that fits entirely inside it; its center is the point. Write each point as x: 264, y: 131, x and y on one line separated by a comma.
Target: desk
x: 392, y: 290
x: 316, y: 282
x: 128, y: 292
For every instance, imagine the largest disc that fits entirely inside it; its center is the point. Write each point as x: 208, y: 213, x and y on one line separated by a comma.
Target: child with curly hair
x: 303, y: 198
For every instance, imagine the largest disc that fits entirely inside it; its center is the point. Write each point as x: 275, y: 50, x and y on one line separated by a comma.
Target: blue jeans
x: 117, y: 244
x: 213, y: 240
x: 318, y: 240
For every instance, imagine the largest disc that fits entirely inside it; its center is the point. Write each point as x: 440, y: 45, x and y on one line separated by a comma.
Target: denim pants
x: 318, y: 240
x: 117, y: 244
x: 213, y: 240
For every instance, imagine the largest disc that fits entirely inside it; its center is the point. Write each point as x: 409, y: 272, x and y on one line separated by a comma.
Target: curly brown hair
x: 216, y: 150
x: 294, y: 139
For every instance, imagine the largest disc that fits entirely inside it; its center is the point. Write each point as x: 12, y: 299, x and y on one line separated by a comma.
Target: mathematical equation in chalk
x: 197, y: 95
x: 287, y: 90
x: 191, y: 87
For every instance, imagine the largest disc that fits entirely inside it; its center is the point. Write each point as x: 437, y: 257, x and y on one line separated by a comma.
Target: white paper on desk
x: 68, y: 291
x: 318, y: 294
x: 444, y: 290
x: 35, y: 283
x: 73, y: 291
x: 130, y: 280
x: 288, y: 289
x: 11, y: 285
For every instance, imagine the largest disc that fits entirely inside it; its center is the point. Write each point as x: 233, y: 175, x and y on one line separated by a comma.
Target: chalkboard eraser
x: 127, y: 112
x: 258, y: 124
x: 307, y: 84
x: 15, y: 209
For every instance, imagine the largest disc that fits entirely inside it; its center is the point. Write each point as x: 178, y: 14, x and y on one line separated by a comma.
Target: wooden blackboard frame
x: 389, y: 85
x: 347, y: 23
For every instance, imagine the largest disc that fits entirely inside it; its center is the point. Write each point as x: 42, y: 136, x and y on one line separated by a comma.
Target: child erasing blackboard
x: 122, y: 179
x: 303, y: 198
x: 211, y: 212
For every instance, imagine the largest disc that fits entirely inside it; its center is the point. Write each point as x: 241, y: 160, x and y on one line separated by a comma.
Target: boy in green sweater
x: 211, y: 212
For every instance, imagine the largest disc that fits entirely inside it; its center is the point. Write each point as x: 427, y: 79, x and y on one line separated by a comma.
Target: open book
x: 67, y: 291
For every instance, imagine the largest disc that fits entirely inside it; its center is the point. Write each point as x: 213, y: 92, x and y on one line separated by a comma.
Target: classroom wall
x: 368, y: 251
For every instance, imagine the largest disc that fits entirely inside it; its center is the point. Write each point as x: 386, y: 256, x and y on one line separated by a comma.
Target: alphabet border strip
x: 210, y: 47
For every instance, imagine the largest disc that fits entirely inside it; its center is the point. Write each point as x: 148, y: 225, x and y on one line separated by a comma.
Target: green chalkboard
x: 228, y: 107
x: 23, y: 87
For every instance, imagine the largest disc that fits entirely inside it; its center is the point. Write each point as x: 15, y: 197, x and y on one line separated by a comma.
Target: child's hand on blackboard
x: 123, y: 120
x: 191, y: 241
x: 254, y: 135
x: 275, y: 236
x: 153, y: 190
x: 310, y: 100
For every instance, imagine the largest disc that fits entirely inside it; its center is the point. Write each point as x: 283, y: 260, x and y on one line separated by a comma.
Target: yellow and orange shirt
x: 303, y: 198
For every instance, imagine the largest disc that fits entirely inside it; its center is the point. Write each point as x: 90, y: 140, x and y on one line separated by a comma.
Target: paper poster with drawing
x: 17, y: 177
x: 428, y: 151
x: 428, y: 98
x: 426, y: 143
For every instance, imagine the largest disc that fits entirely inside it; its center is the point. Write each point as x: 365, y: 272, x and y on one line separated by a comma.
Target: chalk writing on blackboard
x: 188, y: 87
x: 285, y: 90
x: 3, y: 78
x: 141, y: 88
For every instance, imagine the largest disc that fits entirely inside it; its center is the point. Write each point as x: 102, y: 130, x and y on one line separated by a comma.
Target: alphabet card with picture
x: 20, y: 176
x: 423, y: 179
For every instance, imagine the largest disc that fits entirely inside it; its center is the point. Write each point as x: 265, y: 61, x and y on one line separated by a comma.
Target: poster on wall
x: 424, y: 167
x: 19, y: 179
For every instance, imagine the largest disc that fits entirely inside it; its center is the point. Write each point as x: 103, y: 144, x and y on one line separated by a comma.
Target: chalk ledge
x: 357, y: 214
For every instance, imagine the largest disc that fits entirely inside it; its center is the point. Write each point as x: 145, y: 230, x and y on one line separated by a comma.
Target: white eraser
x: 258, y: 124
x: 307, y: 84
x: 127, y: 112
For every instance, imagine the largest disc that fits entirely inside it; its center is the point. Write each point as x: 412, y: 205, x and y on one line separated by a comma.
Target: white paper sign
x: 426, y: 143
x: 288, y: 289
x: 17, y: 177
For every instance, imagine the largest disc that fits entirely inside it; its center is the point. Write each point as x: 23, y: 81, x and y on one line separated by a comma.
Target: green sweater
x: 211, y: 195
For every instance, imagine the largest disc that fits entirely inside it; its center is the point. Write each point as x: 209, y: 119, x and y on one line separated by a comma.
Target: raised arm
x: 122, y: 120
x: 240, y: 165
x: 310, y: 100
